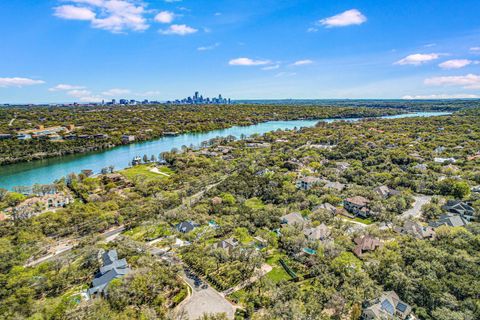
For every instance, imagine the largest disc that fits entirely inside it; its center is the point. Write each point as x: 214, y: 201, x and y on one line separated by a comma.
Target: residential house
x: 342, y: 166
x: 327, y: 207
x: 127, y: 138
x: 87, y: 172
x: 357, y: 205
x: 444, y: 160
x: 334, y: 185
x: 449, y: 219
x: 319, y: 233
x: 4, y: 136
x: 385, y: 191
x: 37, y: 205
x: 461, y: 208
x: 186, y: 226
x: 421, y: 167
x: 306, y: 183
x: 293, y: 219
x: 260, y: 243
x: 476, y: 189
x: 389, y: 307
x: 112, y: 268
x: 416, y: 230
x: 228, y: 244
x: 365, y: 244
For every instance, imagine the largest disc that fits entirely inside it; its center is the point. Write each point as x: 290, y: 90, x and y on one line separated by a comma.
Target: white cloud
x: 64, y: 87
x: 79, y: 93
x: 302, y: 62
x: 469, y: 81
x: 475, y: 49
x: 247, y: 62
x: 165, y: 17
x: 274, y: 67
x: 285, y: 74
x: 18, y: 82
x: 455, y: 64
x: 172, y: 1
x: 217, y: 14
x: 178, y: 29
x: 418, y: 58
x: 74, y: 13
x: 113, y: 15
x: 441, y: 96
x: 347, y: 18
x: 206, y: 48
x: 312, y: 29
x: 115, y: 92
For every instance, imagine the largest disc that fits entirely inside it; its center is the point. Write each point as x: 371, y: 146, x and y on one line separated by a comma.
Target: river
x: 48, y: 170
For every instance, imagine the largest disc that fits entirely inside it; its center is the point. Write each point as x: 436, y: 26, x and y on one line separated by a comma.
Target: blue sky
x: 88, y: 50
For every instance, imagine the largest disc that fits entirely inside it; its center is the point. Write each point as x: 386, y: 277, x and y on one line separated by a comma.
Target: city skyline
x: 92, y: 50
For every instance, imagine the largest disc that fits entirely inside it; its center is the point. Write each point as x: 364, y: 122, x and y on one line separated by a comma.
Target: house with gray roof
x: 112, y: 268
x: 293, y: 219
x: 186, y: 226
x: 386, y: 191
x: 319, y: 233
x: 461, y: 208
x: 416, y: 230
x: 389, y: 307
x: 327, y: 207
x: 306, y: 183
x: 228, y: 244
x: 449, y: 219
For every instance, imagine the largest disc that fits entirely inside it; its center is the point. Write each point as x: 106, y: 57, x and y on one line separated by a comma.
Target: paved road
x: 416, y: 210
x: 69, y: 245
x: 203, y: 301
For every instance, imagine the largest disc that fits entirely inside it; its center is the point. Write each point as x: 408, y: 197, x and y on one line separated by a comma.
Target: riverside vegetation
x: 102, y: 127
x: 241, y: 189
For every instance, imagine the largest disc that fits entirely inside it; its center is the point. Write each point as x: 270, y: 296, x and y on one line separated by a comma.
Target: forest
x: 242, y: 190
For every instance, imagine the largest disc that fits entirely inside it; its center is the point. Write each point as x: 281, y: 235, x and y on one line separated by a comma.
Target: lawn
x: 361, y: 220
x: 277, y: 274
x: 144, y: 171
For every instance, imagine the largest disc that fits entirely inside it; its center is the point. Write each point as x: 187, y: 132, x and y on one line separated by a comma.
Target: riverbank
x: 48, y: 170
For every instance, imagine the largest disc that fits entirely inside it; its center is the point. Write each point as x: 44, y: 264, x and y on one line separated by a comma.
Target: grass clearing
x: 145, y: 171
x: 278, y: 273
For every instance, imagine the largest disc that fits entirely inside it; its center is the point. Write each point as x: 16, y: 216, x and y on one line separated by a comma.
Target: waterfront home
x: 127, y: 138
x: 319, y: 233
x: 449, y: 219
x: 365, y: 244
x: 228, y: 244
x: 385, y: 191
x: 87, y: 172
x: 388, y: 306
x: 306, y: 183
x: 461, y: 208
x: 100, y: 136
x: 357, y: 205
x: 112, y: 268
x: 416, y: 230
x: 293, y: 219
